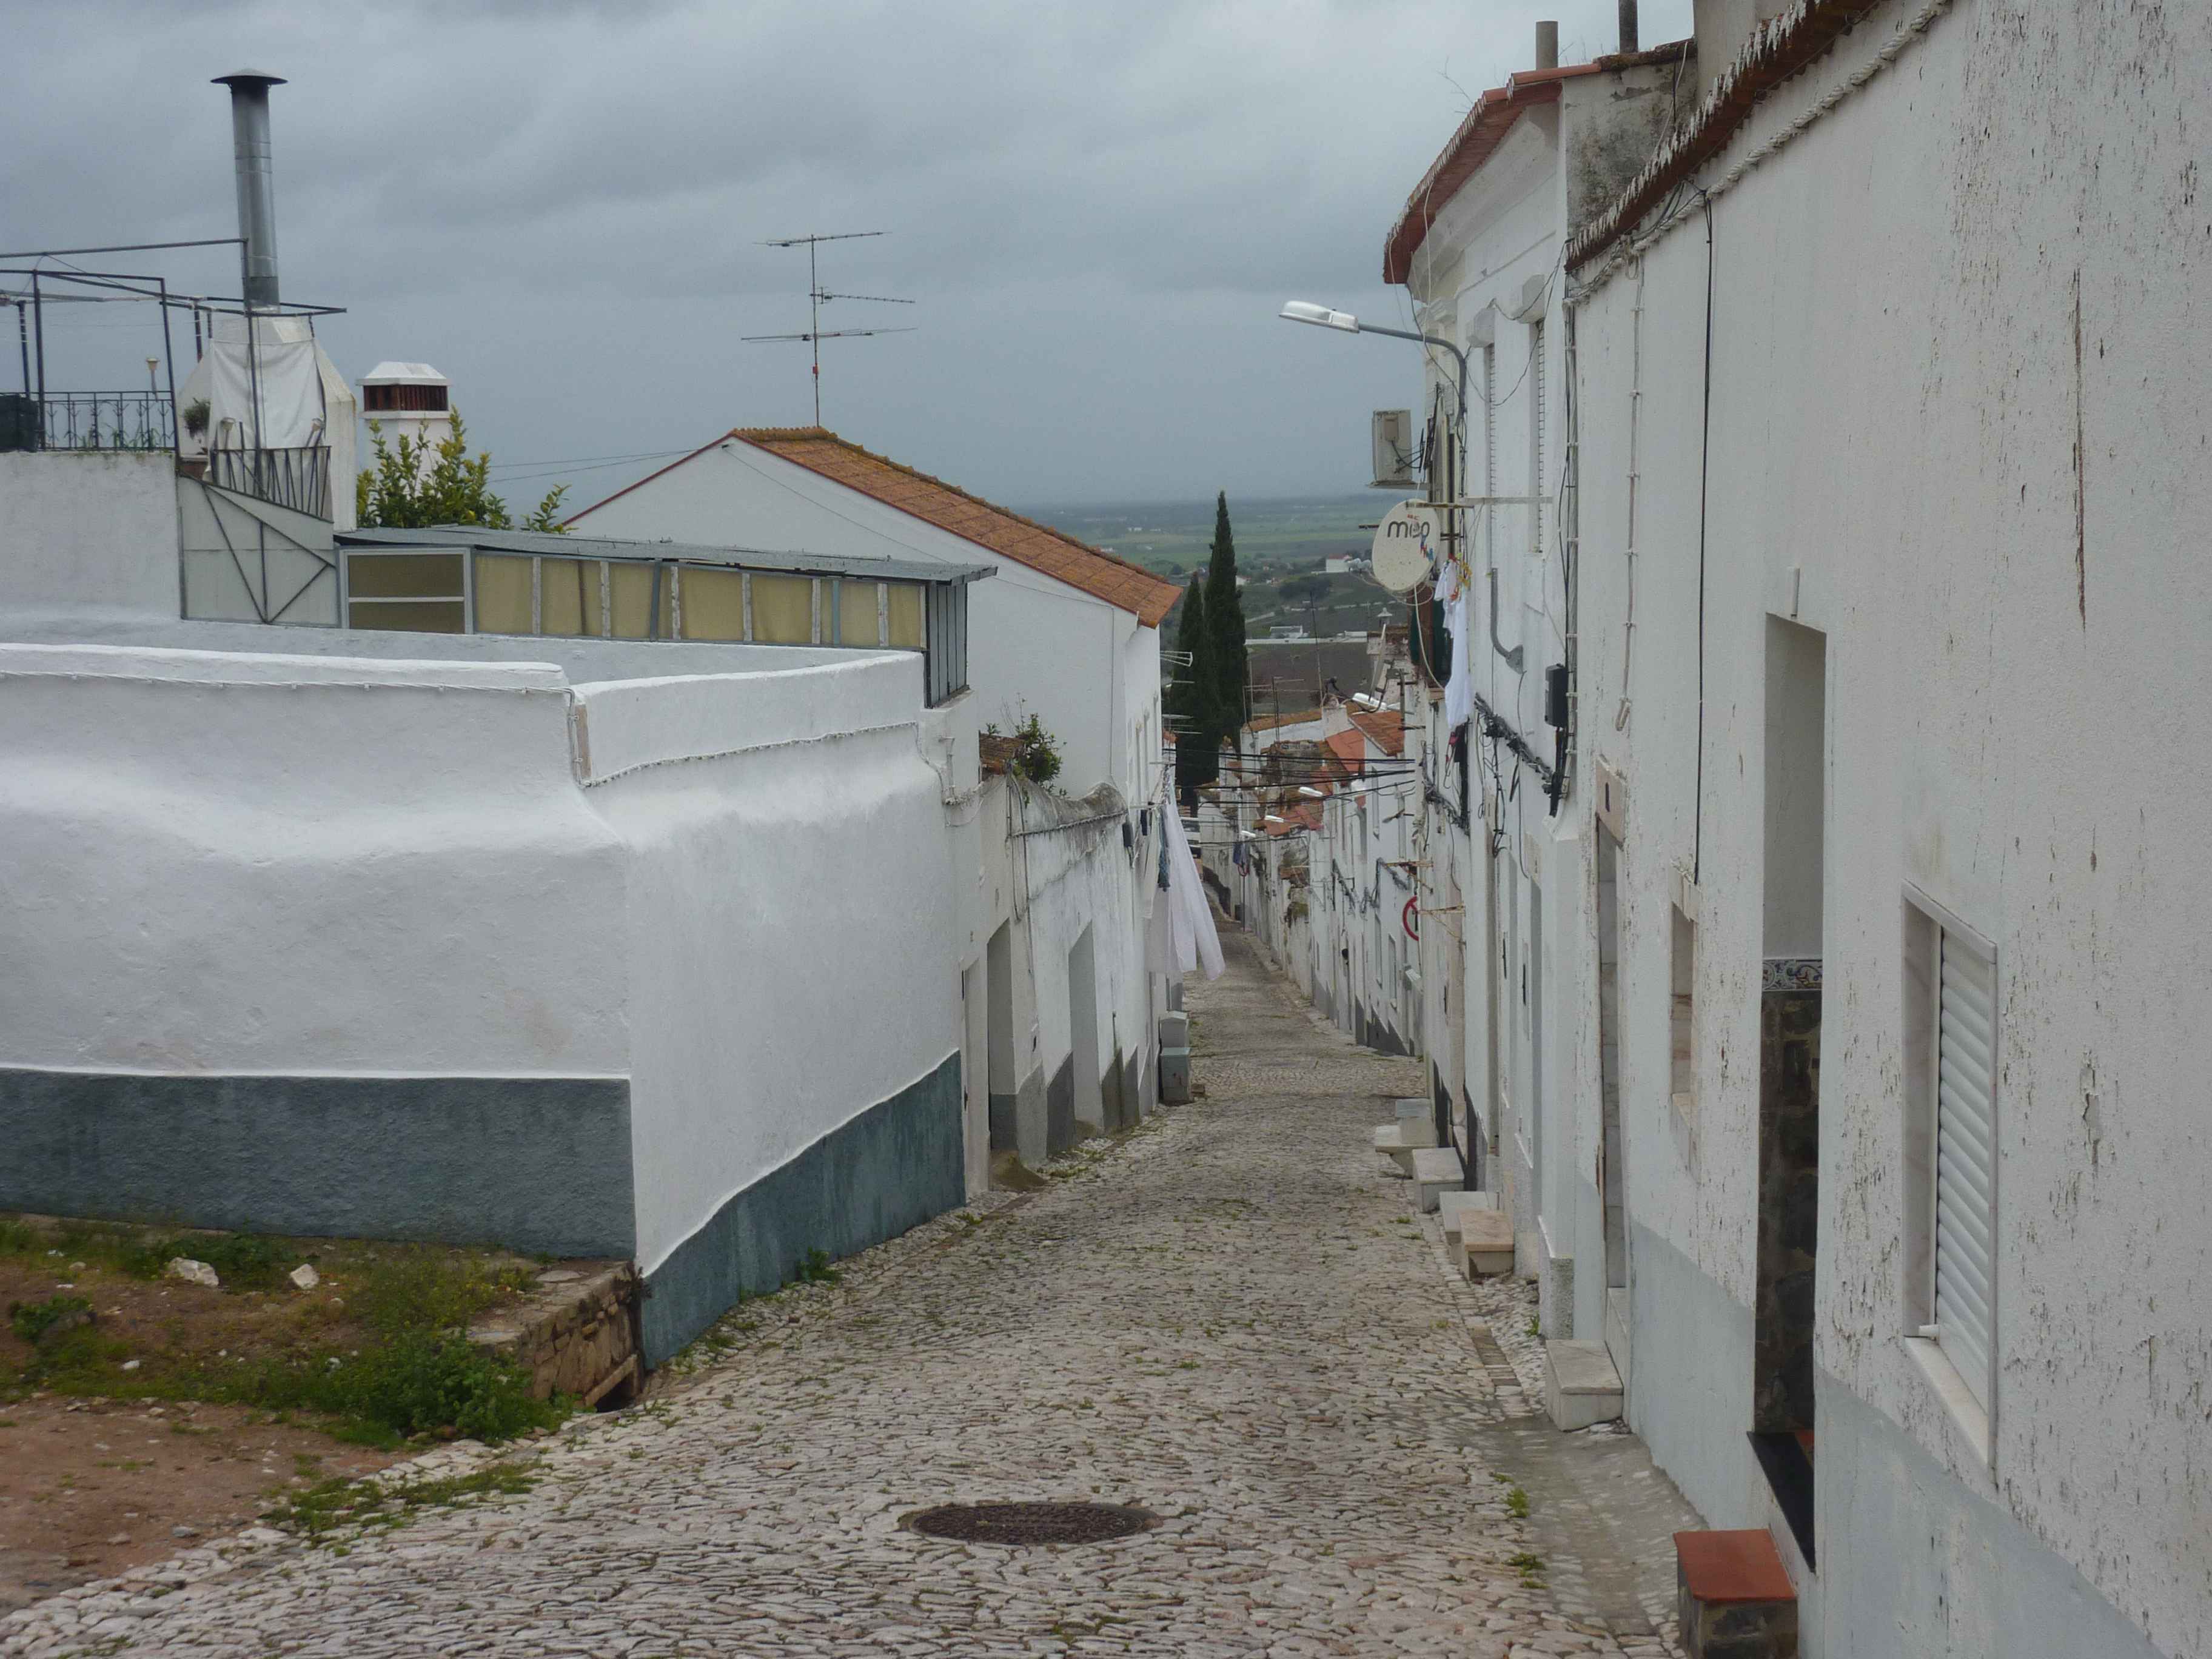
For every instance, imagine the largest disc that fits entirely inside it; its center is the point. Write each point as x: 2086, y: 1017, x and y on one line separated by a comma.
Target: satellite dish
x: 1405, y: 544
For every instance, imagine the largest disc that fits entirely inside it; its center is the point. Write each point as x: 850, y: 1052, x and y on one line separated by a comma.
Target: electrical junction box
x: 1396, y: 448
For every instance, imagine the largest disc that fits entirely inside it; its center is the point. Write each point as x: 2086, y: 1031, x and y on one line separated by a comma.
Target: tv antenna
x: 818, y: 296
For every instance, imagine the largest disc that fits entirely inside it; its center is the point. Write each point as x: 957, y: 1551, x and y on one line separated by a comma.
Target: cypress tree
x: 1225, y: 628
x: 1190, y: 696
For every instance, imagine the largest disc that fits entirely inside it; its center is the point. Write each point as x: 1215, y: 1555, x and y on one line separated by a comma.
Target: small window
x: 859, y: 613
x: 503, y: 595
x: 783, y: 609
x: 570, y: 602
x: 631, y: 586
x: 713, y: 604
x: 411, y: 593
x: 1951, y: 1067
x: 905, y: 616
x: 1682, y: 1015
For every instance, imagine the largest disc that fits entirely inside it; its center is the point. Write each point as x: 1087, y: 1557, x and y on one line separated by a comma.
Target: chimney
x: 257, y: 180
x: 1628, y: 26
x: 1548, y: 46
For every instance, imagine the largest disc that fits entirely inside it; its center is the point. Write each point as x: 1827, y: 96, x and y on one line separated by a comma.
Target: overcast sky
x: 1097, y: 209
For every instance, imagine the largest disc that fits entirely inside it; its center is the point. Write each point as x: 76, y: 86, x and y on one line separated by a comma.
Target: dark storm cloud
x: 1099, y: 206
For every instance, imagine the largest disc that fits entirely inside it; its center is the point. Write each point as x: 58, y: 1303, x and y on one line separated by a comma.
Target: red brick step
x: 1734, y: 1596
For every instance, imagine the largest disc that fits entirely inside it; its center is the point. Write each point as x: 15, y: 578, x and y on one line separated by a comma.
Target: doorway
x: 1001, y: 1082
x: 1612, y: 1157
x: 1083, y: 1028
x: 1787, y: 1283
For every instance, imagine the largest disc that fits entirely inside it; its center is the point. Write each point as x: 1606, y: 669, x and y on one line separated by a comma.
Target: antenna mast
x: 816, y: 297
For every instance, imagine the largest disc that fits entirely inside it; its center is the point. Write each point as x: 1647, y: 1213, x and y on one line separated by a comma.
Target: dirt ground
x: 106, y: 1455
x: 91, y: 1488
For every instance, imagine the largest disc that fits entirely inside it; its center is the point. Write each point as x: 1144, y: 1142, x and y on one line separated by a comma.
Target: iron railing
x: 90, y: 420
x: 297, y: 478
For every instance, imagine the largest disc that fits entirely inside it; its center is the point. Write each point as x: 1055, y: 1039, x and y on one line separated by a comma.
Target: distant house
x: 1067, y: 631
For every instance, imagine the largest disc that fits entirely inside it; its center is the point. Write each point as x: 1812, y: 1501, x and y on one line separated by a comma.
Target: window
x: 1966, y: 1165
x: 859, y: 613
x: 713, y: 604
x: 1682, y: 1024
x: 504, y: 595
x: 1536, y: 434
x: 1951, y: 1068
x: 418, y: 592
x: 1489, y: 420
x: 904, y: 615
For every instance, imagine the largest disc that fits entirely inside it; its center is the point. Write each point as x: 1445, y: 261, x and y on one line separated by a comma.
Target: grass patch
x: 1531, y: 1569
x: 1516, y: 1503
x: 816, y: 1269
x: 31, y: 1319
x: 334, y: 1506
x: 388, y: 1361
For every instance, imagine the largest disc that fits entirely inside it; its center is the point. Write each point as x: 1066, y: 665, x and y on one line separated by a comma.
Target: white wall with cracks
x: 1959, y: 347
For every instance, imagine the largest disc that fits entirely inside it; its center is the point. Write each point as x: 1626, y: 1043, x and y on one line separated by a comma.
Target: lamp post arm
x: 1458, y: 357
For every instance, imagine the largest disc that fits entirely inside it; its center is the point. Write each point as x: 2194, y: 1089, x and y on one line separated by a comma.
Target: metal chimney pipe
x: 257, y: 181
x: 1547, y: 45
x: 1628, y: 26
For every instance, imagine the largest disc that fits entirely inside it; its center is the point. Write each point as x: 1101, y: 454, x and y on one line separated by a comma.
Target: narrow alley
x: 1231, y: 1318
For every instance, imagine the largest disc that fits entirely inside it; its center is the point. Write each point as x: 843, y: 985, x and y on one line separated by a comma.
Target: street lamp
x: 1304, y: 310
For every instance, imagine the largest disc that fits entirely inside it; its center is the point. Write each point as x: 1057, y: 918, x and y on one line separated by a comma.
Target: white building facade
x: 1834, y: 1037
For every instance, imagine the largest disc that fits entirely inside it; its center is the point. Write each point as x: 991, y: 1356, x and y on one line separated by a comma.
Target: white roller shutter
x: 1965, y: 1163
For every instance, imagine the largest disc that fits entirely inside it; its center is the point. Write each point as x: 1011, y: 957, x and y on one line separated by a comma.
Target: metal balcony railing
x: 88, y: 420
x: 297, y: 478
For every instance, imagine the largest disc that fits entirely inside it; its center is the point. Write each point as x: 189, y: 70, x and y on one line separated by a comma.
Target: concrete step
x: 1486, y: 1244
x: 1436, y: 1170
x: 1451, y: 1206
x: 1734, y: 1596
x: 1395, y: 1138
x: 1581, y: 1387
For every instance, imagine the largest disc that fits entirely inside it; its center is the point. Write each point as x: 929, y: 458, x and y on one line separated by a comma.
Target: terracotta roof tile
x: 1348, y: 747
x: 1385, y: 727
x: 1128, y: 586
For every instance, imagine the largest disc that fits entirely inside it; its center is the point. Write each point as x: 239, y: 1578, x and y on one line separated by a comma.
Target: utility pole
x: 816, y: 297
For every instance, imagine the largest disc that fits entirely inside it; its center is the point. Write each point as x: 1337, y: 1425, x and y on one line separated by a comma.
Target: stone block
x: 1175, y: 1077
x: 1395, y: 1138
x: 1581, y: 1386
x: 1734, y: 1596
x: 1435, y: 1171
x: 1486, y: 1244
x: 1451, y: 1206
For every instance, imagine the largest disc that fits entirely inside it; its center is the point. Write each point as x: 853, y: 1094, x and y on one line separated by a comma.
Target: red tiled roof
x: 1477, y: 138
x: 1779, y: 48
x: 1131, y: 587
x: 1385, y: 727
x: 1128, y: 587
x: 1350, y: 747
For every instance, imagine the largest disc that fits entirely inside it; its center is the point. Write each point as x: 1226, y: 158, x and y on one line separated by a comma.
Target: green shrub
x: 33, y: 1320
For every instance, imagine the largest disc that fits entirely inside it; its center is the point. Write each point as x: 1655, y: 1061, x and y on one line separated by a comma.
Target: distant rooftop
x: 480, y: 539
x: 404, y: 375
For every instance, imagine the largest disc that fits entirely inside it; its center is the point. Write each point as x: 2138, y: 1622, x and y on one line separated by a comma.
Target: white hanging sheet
x: 1195, y: 942
x: 292, y: 416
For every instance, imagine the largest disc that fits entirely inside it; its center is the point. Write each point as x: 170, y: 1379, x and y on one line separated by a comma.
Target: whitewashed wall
x: 1991, y: 254
x: 1035, y: 645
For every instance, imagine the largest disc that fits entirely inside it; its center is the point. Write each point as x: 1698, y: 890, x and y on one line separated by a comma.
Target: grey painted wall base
x: 1060, y: 1131
x: 531, y: 1163
x: 1913, y: 1564
x: 1006, y: 1131
x: 1030, y: 1126
x: 890, y: 1170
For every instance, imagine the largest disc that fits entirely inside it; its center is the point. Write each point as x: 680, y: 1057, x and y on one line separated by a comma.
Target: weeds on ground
x: 814, y: 1269
x: 1531, y: 1569
x: 31, y: 1319
x: 416, y: 1375
x: 332, y: 1506
x: 1517, y: 1503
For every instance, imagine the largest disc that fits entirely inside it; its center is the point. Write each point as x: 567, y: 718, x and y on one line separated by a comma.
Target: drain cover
x: 1031, y: 1524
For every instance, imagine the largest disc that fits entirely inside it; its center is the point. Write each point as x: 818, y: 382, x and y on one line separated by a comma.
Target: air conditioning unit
x: 1396, y: 449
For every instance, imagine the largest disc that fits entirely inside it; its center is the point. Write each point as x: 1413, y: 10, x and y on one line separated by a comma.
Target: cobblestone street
x: 1232, y: 1318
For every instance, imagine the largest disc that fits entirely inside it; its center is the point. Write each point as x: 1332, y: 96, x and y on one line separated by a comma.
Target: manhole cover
x: 1031, y: 1524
